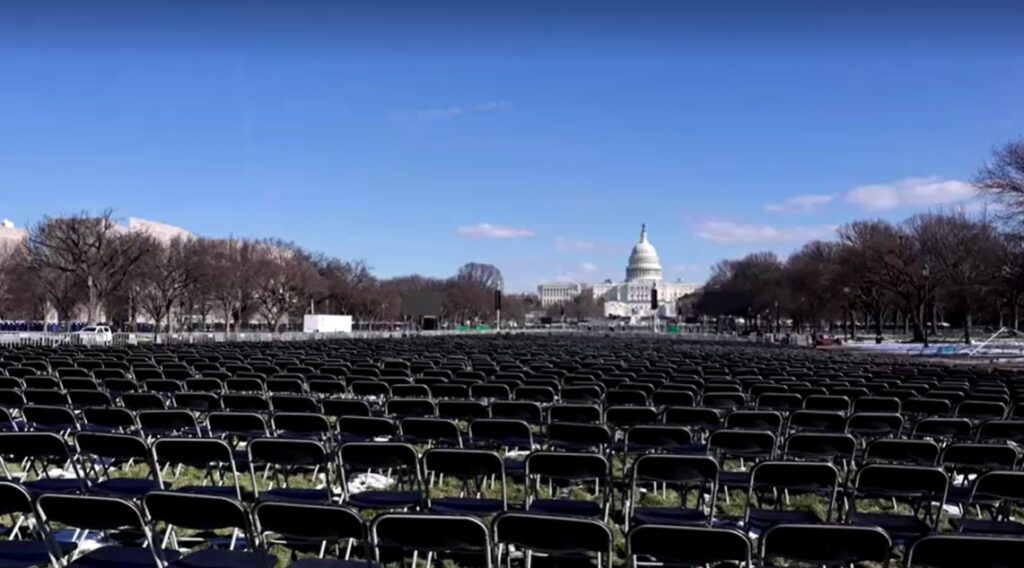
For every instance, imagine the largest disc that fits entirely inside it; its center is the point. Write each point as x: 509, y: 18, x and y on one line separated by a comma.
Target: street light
x: 926, y: 272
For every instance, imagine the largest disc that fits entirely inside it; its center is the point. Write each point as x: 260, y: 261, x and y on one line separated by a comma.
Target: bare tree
x: 1003, y: 178
x: 93, y: 249
x: 166, y: 274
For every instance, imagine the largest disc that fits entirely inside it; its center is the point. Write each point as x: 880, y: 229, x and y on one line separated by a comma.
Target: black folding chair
x: 473, y: 470
x: 323, y: 529
x: 292, y: 467
x: 567, y: 474
x: 562, y: 539
x: 772, y: 484
x: 25, y: 544
x: 105, y: 459
x: 994, y: 496
x: 397, y: 465
x: 205, y: 514
x: 213, y: 459
x: 125, y: 536
x: 464, y: 540
x: 681, y: 474
x: 922, y: 490
x: 42, y: 456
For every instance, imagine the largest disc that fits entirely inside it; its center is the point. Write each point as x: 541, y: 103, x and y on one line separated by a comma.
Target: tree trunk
x: 1014, y: 314
x: 92, y: 305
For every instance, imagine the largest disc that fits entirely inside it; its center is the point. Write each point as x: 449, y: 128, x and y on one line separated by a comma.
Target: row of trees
x: 943, y: 266
x: 89, y: 267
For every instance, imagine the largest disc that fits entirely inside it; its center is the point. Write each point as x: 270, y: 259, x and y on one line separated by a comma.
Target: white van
x: 94, y: 335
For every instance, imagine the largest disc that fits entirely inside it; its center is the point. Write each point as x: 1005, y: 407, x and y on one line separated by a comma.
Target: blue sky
x: 537, y: 136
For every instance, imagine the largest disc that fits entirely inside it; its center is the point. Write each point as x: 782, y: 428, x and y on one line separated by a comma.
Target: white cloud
x: 801, y: 203
x: 725, y: 232
x: 492, y: 106
x: 588, y: 267
x: 911, y: 191
x: 448, y: 113
x: 569, y: 245
x: 489, y: 231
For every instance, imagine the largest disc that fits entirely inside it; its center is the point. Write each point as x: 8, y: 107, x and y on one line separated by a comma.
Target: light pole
x: 926, y: 272
x: 846, y: 312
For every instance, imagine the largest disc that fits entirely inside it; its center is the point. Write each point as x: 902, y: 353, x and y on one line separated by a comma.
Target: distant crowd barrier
x: 122, y: 339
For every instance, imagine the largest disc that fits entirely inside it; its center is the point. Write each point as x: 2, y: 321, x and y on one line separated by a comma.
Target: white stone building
x: 631, y: 298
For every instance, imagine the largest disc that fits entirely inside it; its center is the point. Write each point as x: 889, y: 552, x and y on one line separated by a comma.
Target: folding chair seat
x: 752, y: 445
x: 530, y: 412
x: 464, y: 410
x: 301, y: 527
x: 681, y: 474
x: 473, y: 470
x: 307, y: 425
x: 773, y: 482
x: 118, y: 521
x: 104, y: 457
x: 561, y: 539
x: 208, y: 513
x: 568, y: 474
x: 435, y: 432
x: 952, y: 551
x: 285, y: 461
x: 342, y: 407
x: 364, y: 428
x: 825, y: 545
x: 461, y: 539
x: 921, y: 489
x: 399, y: 462
x: 212, y: 458
x: 905, y: 452
x: 660, y: 545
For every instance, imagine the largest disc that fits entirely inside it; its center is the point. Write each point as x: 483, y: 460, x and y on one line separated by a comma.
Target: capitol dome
x: 643, y: 261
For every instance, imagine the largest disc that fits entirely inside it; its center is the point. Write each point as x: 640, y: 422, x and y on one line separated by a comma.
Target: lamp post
x: 926, y: 272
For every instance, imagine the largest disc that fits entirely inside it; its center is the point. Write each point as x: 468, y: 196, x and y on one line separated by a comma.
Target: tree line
x: 87, y: 266
x: 932, y: 268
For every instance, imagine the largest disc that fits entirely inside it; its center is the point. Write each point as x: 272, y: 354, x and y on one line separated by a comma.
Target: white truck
x: 326, y: 323
x: 94, y: 335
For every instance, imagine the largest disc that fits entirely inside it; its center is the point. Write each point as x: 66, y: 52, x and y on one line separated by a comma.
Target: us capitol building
x: 631, y: 298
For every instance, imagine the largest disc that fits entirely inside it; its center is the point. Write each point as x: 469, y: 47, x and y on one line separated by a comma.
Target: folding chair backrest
x: 557, y: 536
x: 662, y: 544
x: 431, y: 533
x: 830, y: 545
x: 955, y: 551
